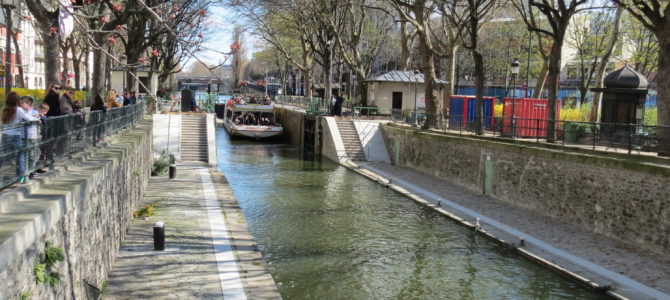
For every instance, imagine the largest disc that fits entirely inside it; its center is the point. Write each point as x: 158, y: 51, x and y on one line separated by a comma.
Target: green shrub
x: 45, y: 270
x: 162, y: 163
x: 651, y: 116
x: 145, y: 211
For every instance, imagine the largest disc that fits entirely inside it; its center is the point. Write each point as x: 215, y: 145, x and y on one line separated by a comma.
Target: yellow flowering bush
x: 576, y: 114
x: 498, y: 110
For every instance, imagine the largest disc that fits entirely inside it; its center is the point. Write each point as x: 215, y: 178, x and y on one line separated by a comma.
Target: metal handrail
x: 629, y: 137
x: 30, y: 146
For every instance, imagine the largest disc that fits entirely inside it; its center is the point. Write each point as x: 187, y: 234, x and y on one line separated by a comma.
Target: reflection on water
x: 328, y: 233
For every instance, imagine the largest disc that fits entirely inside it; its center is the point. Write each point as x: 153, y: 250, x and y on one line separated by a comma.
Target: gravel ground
x: 649, y: 268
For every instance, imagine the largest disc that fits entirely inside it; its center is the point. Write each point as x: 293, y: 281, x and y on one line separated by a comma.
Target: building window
x: 36, y: 84
x: 572, y: 73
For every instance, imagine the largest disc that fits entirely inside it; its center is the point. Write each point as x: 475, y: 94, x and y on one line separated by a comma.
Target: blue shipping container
x: 460, y: 115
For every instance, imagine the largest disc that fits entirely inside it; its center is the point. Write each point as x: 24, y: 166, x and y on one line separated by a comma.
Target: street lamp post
x: 328, y: 92
x: 515, y: 71
x: 124, y: 58
x: 416, y: 87
x: 8, y: 5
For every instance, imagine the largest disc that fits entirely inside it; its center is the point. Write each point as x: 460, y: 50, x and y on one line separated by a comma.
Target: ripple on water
x: 328, y: 233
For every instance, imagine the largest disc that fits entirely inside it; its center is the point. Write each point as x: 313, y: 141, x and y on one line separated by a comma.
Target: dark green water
x: 328, y: 233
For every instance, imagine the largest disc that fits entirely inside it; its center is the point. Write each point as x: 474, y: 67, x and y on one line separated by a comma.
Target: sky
x: 221, y: 23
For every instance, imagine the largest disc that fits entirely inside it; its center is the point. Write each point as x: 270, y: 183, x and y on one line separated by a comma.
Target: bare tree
x: 281, y: 23
x: 360, y: 39
x: 602, y: 64
x: 557, y: 14
x: 655, y: 16
x: 594, y: 36
x: 418, y: 14
x: 468, y: 16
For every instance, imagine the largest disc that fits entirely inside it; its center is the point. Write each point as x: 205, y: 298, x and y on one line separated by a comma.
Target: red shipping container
x: 527, y: 112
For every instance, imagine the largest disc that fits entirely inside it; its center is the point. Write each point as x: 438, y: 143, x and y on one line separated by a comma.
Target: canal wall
x: 82, y: 207
x: 612, y: 195
x: 293, y: 123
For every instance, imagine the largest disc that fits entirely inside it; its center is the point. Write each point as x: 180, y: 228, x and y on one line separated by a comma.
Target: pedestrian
x: 53, y: 99
x: 65, y: 102
x: 13, y: 135
x: 111, y: 97
x: 79, y: 119
x: 32, y: 137
x: 133, y: 98
x: 337, y: 107
x: 43, y: 108
x: 97, y: 118
x: 126, y: 98
x: 119, y: 99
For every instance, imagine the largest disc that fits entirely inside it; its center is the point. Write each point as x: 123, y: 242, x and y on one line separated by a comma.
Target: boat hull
x: 251, y: 131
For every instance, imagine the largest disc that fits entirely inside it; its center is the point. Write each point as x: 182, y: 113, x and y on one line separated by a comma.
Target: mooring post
x: 159, y: 236
x: 173, y: 171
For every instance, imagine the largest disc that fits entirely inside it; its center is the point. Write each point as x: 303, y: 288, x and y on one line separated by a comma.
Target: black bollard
x: 173, y: 171
x: 159, y: 236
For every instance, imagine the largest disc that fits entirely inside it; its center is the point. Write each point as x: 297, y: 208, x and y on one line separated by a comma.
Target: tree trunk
x: 328, y: 88
x: 51, y: 54
x: 66, y: 67
x: 99, y: 67
x: 602, y: 64
x: 76, y: 60
x: 19, y: 62
x: 87, y: 84
x: 108, y: 69
x: 663, y: 83
x: 430, y: 81
x: 449, y: 73
x: 405, y: 46
x: 553, y: 83
x: 479, y: 89
x: 131, y: 72
x: 541, y: 80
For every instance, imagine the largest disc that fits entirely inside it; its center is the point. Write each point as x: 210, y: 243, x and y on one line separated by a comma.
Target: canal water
x: 328, y: 233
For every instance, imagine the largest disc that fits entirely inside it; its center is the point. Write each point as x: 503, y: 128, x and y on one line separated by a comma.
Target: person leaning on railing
x: 12, y: 137
x: 98, y: 112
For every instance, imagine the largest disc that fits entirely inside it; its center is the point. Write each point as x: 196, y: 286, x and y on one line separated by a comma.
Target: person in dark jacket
x: 53, y: 100
x: 97, y: 119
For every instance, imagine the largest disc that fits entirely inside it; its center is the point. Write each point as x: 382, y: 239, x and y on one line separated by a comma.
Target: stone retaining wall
x: 292, y: 121
x: 90, y: 204
x: 623, y: 198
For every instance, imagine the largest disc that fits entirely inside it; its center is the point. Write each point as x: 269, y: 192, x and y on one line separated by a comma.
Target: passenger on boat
x: 249, y: 119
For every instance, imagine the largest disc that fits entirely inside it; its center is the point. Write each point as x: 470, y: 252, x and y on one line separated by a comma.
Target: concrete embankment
x: 623, y: 197
x: 209, y: 253
x: 80, y: 209
x: 579, y: 213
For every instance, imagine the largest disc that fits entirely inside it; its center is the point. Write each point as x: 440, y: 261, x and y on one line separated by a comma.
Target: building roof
x: 402, y: 76
x: 139, y: 68
x: 626, y: 78
x: 333, y: 85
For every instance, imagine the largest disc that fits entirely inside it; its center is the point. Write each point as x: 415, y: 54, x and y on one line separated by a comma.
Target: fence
x: 314, y: 105
x: 29, y: 146
x: 630, y: 137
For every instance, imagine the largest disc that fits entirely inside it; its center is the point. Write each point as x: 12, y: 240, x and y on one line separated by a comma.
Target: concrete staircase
x: 352, y: 143
x: 193, y: 138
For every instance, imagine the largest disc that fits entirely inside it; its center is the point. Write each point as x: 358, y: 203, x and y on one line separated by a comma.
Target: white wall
x: 167, y: 134
x: 381, y: 94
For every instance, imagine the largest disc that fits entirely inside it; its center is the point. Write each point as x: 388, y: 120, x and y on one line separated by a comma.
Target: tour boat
x: 251, y: 120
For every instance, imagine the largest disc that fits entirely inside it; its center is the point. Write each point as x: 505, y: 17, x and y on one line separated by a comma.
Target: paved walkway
x: 209, y: 255
x: 611, y: 262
